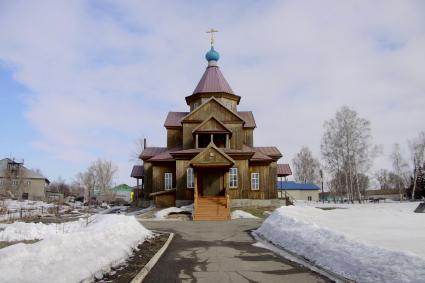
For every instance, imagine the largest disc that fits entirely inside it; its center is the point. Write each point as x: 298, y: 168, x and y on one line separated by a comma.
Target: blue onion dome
x: 212, y: 55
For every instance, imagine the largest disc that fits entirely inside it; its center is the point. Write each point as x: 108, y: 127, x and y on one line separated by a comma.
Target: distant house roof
x: 290, y: 185
x: 138, y: 172
x: 283, y: 170
x: 28, y: 173
x: 213, y: 81
x: 122, y: 188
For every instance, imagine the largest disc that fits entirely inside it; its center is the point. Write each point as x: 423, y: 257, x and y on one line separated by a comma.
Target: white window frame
x: 255, y: 181
x: 233, y: 177
x: 190, y: 180
x: 168, y: 181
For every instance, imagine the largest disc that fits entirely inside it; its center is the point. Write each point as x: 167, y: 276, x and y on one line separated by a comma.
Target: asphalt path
x: 221, y: 251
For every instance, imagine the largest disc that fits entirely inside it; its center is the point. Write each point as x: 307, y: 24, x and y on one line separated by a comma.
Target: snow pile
x: 74, y: 256
x: 298, y: 229
x: 19, y: 231
x: 240, y: 214
x: 162, y: 214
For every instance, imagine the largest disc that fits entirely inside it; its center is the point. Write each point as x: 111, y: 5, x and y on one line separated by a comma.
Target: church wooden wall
x: 183, y: 193
x: 188, y: 141
x: 147, y: 182
x: 249, y: 137
x: 158, y: 182
x: 174, y: 137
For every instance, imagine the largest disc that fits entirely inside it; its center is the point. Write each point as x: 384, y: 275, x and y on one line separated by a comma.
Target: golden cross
x: 212, y: 31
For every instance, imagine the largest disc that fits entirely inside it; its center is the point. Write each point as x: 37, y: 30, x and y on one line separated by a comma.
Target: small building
x: 123, y: 192
x: 298, y: 191
x: 392, y: 194
x: 19, y: 182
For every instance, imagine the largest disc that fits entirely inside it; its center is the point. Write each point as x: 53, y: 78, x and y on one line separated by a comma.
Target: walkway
x: 221, y: 251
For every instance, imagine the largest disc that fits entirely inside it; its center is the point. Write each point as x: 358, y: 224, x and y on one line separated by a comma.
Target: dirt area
x: 127, y: 271
x: 6, y: 244
x: 261, y: 212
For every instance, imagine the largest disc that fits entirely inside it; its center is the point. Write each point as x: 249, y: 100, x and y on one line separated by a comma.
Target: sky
x: 81, y: 80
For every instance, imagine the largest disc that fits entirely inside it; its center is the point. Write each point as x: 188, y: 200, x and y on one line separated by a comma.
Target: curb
x: 147, y: 268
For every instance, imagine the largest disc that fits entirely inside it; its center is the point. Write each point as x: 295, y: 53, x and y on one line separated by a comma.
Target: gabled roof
x: 209, y: 101
x: 212, y: 156
x: 173, y: 119
x: 211, y: 125
x: 290, y: 185
x: 213, y: 81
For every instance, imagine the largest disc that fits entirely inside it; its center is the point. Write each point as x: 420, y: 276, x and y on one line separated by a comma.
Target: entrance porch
x: 211, y: 197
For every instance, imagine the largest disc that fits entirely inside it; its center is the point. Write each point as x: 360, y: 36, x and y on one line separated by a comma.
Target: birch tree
x: 347, y: 150
x: 417, y: 152
x: 306, y: 167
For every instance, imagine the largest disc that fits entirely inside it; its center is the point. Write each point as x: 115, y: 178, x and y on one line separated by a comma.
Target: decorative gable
x: 212, y: 157
x: 211, y: 125
x: 215, y: 108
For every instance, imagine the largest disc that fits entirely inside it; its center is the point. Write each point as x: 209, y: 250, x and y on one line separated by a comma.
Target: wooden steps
x: 211, y: 208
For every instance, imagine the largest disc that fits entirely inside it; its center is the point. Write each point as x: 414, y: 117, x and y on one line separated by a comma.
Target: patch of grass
x: 330, y: 208
x: 4, y: 244
x: 256, y: 211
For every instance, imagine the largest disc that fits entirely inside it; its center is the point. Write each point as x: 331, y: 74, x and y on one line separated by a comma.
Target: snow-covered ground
x: 240, y: 214
x: 71, y: 253
x: 380, y: 242
x: 163, y: 213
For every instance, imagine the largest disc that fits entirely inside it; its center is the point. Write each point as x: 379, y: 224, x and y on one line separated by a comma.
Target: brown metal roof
x: 213, y: 81
x: 138, y: 172
x: 283, y: 170
x: 151, y: 151
x: 174, y: 119
x: 165, y: 155
x: 258, y: 156
x: 271, y: 151
x: 248, y: 118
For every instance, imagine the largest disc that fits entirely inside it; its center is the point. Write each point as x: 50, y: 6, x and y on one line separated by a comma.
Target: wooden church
x: 210, y: 158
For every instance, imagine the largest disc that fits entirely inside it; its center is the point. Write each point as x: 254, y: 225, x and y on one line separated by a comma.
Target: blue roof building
x: 298, y: 191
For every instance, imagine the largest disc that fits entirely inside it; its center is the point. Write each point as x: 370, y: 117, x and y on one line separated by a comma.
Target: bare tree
x: 98, y: 176
x: 306, y: 167
x: 382, y: 176
x: 105, y: 172
x: 347, y: 151
x: 401, y: 169
x: 417, y: 151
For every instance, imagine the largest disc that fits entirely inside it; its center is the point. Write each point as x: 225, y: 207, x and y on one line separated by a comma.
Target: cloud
x: 103, y: 74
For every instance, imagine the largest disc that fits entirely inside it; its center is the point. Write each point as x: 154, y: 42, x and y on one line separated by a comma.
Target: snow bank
x: 162, y: 214
x: 239, y: 214
x: 339, y: 252
x: 19, y: 231
x: 73, y: 256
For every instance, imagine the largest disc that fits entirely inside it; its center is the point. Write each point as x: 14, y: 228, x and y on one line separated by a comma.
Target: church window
x: 189, y: 178
x: 219, y: 140
x: 168, y: 181
x: 229, y: 105
x: 255, y: 181
x: 233, y: 178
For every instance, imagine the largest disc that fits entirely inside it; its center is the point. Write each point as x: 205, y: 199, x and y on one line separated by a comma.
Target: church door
x: 211, y: 182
